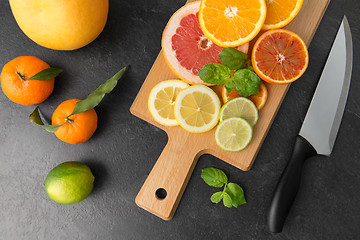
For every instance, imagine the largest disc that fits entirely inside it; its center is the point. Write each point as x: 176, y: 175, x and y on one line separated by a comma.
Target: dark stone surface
x: 124, y: 148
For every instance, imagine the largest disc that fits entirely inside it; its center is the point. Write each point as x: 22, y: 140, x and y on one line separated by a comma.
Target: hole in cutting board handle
x: 161, y: 193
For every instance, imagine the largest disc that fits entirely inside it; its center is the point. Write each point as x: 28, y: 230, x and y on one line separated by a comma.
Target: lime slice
x: 162, y: 99
x: 240, y: 107
x: 197, y: 109
x: 233, y: 134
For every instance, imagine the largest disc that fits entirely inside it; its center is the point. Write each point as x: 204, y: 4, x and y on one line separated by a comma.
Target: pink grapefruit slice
x: 185, y: 46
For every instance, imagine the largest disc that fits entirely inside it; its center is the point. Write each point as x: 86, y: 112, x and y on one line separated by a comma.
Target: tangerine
x: 17, y: 88
x: 78, y: 128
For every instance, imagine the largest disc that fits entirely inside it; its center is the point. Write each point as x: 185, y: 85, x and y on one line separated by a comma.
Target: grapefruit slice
x: 185, y: 46
x: 279, y: 56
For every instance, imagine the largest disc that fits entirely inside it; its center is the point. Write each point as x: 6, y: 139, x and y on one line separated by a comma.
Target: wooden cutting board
x: 175, y: 165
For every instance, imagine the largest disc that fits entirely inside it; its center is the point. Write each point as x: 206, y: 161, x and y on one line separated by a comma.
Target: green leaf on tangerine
x: 35, y: 118
x: 96, y: 96
x: 46, y: 74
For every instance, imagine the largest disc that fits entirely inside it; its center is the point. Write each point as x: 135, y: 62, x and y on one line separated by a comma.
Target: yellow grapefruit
x: 59, y: 24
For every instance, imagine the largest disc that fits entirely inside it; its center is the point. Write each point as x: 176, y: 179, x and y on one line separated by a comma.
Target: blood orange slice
x: 185, y: 46
x: 279, y: 56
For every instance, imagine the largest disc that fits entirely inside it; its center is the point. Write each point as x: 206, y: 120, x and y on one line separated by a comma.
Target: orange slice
x: 186, y: 48
x: 230, y: 23
x: 279, y: 56
x: 281, y: 12
x: 259, y: 99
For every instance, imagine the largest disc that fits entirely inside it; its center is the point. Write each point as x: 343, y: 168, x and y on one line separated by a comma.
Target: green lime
x: 240, y: 107
x: 233, y: 134
x: 69, y: 182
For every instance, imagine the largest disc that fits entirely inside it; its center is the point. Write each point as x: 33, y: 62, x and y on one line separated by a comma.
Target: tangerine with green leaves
x: 76, y: 128
x: 15, y: 81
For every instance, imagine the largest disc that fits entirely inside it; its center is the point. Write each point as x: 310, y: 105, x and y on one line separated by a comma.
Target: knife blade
x: 321, y: 124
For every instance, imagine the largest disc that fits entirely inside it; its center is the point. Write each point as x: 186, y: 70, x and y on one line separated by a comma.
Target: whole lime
x: 69, y: 182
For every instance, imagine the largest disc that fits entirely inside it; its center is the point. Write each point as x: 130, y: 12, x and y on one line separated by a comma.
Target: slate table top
x: 124, y: 148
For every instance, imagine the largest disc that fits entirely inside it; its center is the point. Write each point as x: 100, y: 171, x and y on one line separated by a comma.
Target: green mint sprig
x: 232, y: 194
x: 235, y: 72
x: 92, y: 100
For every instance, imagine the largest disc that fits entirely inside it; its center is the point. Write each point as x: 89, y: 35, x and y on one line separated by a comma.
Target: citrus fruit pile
x: 195, y: 36
x: 27, y: 80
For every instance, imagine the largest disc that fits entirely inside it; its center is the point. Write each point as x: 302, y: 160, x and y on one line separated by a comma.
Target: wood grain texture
x: 174, y: 167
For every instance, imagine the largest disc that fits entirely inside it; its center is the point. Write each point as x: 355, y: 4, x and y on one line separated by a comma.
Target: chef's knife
x: 319, y: 129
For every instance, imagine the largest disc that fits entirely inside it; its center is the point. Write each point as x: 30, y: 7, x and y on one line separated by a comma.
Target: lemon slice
x: 197, y: 109
x: 162, y: 99
x: 233, y: 134
x: 240, y: 107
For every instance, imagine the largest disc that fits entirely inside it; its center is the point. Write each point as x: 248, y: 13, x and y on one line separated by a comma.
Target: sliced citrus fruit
x: 259, y: 99
x: 279, y: 56
x: 240, y: 107
x: 230, y: 23
x: 162, y: 99
x: 186, y: 48
x: 280, y: 13
x: 233, y: 134
x: 197, y: 108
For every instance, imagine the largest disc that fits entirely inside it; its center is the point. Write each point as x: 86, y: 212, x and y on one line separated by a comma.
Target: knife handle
x: 288, y: 184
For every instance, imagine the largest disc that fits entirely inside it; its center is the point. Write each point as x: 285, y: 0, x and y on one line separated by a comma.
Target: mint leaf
x: 246, y: 82
x: 227, y: 200
x: 214, y: 73
x: 35, y: 118
x: 233, y: 58
x: 96, y: 96
x: 250, y: 68
x: 214, y: 177
x: 236, y: 193
x: 229, y: 87
x: 216, y: 197
x: 46, y: 74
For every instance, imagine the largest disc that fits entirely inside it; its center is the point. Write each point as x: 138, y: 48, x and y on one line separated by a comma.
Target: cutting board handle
x: 165, y: 185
